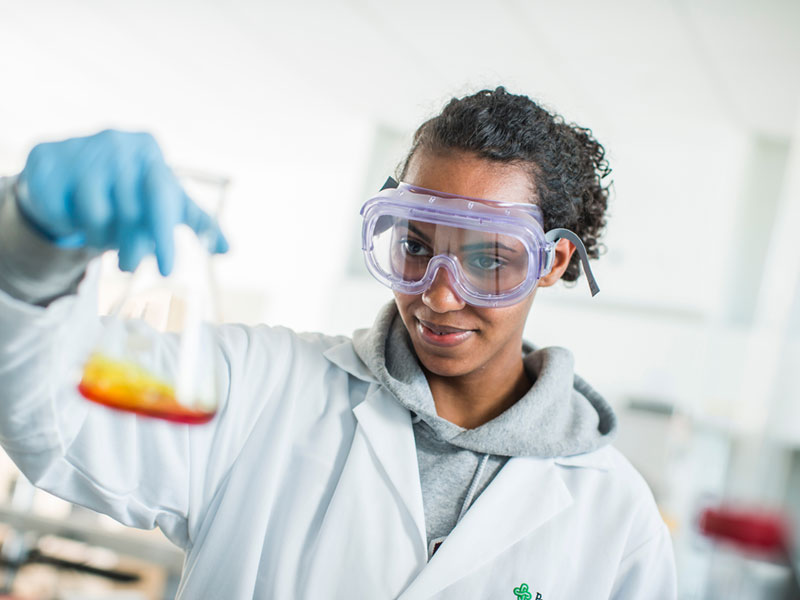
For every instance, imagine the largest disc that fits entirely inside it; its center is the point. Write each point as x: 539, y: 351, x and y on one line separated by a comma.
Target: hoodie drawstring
x: 476, y: 479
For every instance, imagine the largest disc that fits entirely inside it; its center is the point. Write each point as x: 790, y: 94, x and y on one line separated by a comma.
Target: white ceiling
x: 616, y: 64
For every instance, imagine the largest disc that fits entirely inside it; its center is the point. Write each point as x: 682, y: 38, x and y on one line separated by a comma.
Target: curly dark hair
x: 567, y: 165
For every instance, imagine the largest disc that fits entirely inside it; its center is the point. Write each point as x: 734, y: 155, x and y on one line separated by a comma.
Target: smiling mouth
x: 442, y: 336
x: 442, y: 329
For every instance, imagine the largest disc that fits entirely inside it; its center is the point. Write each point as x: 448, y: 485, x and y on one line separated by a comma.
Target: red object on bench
x: 753, y: 530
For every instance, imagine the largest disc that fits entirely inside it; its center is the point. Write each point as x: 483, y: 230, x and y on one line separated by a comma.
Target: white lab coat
x: 306, y: 484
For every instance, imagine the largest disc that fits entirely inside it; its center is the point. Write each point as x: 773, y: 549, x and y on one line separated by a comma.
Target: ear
x: 564, y: 250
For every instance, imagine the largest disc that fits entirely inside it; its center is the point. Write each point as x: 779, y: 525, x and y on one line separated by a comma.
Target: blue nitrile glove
x: 111, y: 190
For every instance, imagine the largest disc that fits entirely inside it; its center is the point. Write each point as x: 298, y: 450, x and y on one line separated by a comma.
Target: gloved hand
x: 111, y: 190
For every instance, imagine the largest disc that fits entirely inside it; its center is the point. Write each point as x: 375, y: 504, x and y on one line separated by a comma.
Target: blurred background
x: 307, y: 107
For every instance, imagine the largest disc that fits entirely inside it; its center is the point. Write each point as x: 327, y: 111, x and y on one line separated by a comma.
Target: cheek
x: 509, y: 321
x: 402, y: 300
x: 404, y: 303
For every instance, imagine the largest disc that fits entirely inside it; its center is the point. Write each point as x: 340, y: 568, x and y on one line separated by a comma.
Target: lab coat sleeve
x: 142, y: 472
x: 648, y: 571
x: 32, y: 269
x: 134, y: 470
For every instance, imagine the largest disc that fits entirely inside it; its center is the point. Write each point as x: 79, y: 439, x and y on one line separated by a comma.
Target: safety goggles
x: 495, y: 252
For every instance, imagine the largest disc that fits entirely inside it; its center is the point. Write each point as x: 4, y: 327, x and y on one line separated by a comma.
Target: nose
x: 441, y: 296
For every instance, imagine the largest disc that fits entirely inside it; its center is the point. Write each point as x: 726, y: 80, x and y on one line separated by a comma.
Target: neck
x: 478, y: 397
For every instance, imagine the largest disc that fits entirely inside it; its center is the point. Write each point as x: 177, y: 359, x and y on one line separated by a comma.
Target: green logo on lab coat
x: 522, y: 592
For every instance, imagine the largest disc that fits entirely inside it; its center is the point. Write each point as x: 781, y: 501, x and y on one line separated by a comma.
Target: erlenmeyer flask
x: 156, y: 356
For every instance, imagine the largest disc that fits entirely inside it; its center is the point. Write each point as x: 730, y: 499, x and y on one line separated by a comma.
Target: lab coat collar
x: 344, y: 356
x: 525, y: 494
x: 599, y: 459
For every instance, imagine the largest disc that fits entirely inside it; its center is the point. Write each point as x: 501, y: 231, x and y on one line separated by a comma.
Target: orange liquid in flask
x: 129, y: 387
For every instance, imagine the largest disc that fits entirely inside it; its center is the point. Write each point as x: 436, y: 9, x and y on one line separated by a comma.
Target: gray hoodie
x: 560, y: 415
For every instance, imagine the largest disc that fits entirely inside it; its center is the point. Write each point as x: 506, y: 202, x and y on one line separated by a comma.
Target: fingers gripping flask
x: 156, y: 356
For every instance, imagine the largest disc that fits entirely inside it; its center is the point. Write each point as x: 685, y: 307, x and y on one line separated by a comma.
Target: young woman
x: 434, y: 455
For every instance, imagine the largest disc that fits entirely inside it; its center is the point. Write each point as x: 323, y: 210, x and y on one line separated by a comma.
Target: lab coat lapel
x: 371, y: 542
x: 387, y: 427
x: 344, y: 356
x: 525, y: 494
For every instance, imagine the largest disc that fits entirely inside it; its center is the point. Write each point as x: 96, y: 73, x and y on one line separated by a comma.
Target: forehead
x: 466, y: 174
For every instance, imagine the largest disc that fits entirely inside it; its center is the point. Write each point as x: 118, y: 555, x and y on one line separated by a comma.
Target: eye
x: 486, y: 262
x: 413, y: 247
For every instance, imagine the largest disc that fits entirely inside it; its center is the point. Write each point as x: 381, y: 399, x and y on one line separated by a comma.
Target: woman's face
x: 453, y: 338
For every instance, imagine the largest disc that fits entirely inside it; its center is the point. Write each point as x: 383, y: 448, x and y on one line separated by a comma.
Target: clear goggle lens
x: 490, y: 263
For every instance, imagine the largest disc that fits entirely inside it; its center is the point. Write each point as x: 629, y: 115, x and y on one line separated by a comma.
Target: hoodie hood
x: 560, y: 415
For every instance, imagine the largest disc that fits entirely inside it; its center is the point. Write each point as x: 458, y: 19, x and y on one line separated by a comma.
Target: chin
x: 443, y: 366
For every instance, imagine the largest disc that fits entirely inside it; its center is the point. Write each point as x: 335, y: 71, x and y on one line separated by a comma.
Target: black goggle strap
x: 390, y: 183
x: 553, y: 236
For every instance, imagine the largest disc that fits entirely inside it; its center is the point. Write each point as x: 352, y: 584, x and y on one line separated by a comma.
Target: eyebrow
x: 478, y: 246
x: 485, y: 245
x: 414, y: 229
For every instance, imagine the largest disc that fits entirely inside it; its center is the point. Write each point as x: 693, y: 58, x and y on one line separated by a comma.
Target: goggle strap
x: 553, y: 236
x: 391, y: 182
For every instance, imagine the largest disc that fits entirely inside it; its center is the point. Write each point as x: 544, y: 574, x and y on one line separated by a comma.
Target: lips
x: 442, y: 335
x: 442, y: 329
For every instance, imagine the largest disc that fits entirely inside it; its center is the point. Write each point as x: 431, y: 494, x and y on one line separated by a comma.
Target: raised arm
x: 73, y: 200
